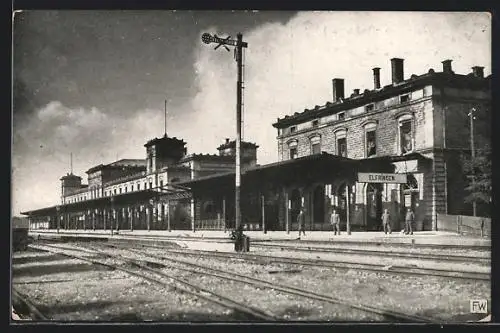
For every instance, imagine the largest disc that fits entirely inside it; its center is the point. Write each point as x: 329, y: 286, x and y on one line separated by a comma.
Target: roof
x: 128, y: 162
x: 70, y: 176
x: 129, y: 197
x: 306, y: 169
x: 126, y: 178
x: 165, y: 138
x: 303, y: 169
x: 232, y: 144
x: 123, y: 163
x: 211, y: 157
x: 368, y: 96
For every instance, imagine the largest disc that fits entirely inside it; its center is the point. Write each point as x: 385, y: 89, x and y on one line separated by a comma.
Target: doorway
x: 374, y: 207
x: 296, y: 204
x: 318, y: 216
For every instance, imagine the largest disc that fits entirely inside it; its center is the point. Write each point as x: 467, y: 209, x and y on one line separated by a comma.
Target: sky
x: 93, y: 83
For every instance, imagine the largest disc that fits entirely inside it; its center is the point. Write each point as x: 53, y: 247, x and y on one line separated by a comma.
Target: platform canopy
x: 324, y: 167
x: 301, y: 171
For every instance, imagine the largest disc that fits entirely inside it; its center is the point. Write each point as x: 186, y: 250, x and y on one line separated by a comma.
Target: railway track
x: 259, y: 283
x: 25, y: 307
x: 265, y: 241
x: 383, y: 253
x: 379, y: 268
x: 176, y: 283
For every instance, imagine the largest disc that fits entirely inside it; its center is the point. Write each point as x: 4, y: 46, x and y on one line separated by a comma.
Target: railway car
x: 20, y: 238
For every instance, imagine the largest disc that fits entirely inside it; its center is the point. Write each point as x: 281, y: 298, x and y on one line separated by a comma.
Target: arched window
x: 406, y: 134
x: 315, y: 142
x: 292, y: 147
x: 370, y: 138
x: 341, y: 142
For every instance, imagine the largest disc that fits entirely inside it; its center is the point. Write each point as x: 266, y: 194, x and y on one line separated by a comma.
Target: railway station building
x: 396, y: 146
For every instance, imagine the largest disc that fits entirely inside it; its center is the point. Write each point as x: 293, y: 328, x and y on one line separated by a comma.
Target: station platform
x: 431, y: 238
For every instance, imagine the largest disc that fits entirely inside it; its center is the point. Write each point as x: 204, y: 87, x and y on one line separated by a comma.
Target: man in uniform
x: 386, y: 221
x: 300, y: 222
x: 409, y: 218
x: 335, y: 222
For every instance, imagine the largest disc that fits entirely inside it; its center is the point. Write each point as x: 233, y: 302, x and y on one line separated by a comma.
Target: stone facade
x: 432, y: 106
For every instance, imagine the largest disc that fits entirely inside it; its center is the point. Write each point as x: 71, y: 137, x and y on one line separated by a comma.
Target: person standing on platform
x: 335, y: 222
x: 386, y: 221
x: 409, y: 219
x: 300, y: 222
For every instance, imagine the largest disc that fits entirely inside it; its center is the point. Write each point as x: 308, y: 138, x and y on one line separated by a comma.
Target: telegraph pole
x: 239, y: 93
x: 165, y: 118
x: 473, y: 157
x: 239, y: 44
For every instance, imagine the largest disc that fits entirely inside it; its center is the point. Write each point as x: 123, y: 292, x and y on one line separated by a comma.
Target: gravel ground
x: 72, y: 290
x: 444, y: 299
x: 364, y: 259
x: 282, y: 305
x: 386, y: 247
x: 82, y: 296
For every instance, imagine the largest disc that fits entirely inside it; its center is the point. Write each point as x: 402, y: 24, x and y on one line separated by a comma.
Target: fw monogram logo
x: 479, y: 306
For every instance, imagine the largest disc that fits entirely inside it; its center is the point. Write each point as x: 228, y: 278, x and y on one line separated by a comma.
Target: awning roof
x: 119, y: 199
x: 307, y: 169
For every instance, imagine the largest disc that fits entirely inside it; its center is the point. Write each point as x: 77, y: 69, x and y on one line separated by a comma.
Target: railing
x: 464, y: 225
x: 209, y: 224
x: 218, y: 224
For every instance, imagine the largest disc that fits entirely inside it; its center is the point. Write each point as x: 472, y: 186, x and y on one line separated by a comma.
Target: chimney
x: 447, y: 66
x: 376, y: 78
x: 397, y: 70
x: 338, y: 89
x: 478, y: 71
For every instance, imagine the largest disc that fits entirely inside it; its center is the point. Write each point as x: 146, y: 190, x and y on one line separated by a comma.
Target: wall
x: 465, y: 225
x: 387, y: 140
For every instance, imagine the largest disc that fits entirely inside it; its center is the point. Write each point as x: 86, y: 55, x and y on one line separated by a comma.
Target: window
x: 342, y: 147
x: 405, y: 136
x: 341, y: 142
x: 150, y: 184
x: 138, y: 187
x: 316, y: 145
x: 292, y: 146
x: 114, y: 191
x: 120, y: 190
x: 404, y: 98
x: 126, y: 189
x: 293, y: 129
x: 341, y: 115
x: 371, y: 142
x: 369, y: 107
x: 132, y: 188
x: 161, y: 184
x: 315, y: 123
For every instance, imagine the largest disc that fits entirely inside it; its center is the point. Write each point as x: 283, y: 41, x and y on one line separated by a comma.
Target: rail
x: 182, y: 285
x: 233, y: 276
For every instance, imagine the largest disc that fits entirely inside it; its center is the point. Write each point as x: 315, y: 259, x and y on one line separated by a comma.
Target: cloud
x: 42, y: 147
x: 288, y: 67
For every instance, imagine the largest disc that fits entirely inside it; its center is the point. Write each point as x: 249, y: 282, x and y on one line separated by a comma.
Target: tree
x: 479, y: 168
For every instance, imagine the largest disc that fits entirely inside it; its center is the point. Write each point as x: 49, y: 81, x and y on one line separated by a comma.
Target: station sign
x: 393, y: 178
